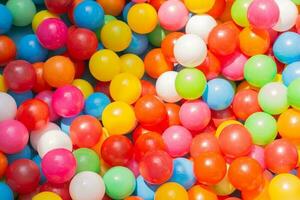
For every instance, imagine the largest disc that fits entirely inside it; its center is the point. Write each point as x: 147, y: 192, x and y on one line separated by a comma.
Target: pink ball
x: 133, y: 165
x: 194, y: 115
x: 233, y: 66
x: 67, y: 101
x: 52, y: 33
x: 263, y: 14
x: 59, y: 166
x: 173, y: 15
x: 258, y: 153
x: 13, y: 136
x: 178, y: 140
x: 46, y: 96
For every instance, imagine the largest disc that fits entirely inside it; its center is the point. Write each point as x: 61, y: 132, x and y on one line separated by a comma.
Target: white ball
x: 201, y: 25
x: 190, y: 50
x: 54, y: 139
x: 8, y: 106
x: 288, y: 15
x: 165, y: 87
x: 87, y: 186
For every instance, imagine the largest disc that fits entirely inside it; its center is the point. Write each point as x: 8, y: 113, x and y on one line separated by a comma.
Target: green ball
x: 119, y: 182
x: 108, y: 18
x: 87, y: 160
x: 262, y: 127
x: 190, y: 83
x: 293, y: 94
x: 297, y: 2
x: 157, y: 36
x: 22, y: 11
x: 260, y: 70
x: 239, y: 12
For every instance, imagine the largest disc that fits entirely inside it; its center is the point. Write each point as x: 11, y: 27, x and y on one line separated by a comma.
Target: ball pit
x: 150, y: 99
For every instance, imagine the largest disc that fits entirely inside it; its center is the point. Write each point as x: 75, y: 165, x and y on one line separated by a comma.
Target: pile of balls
x: 149, y: 100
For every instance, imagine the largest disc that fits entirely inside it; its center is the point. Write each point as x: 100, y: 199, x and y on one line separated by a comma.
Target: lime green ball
x: 262, y: 127
x: 22, y: 11
x: 294, y: 94
x: 297, y: 2
x: 119, y: 182
x: 190, y: 83
x: 87, y: 160
x: 157, y: 36
x: 260, y: 70
x: 239, y: 12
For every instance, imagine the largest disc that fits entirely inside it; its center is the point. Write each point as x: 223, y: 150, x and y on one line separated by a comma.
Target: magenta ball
x: 194, y: 115
x: 52, y: 33
x: 173, y: 15
x: 67, y: 101
x: 59, y: 166
x: 258, y: 153
x: 178, y: 140
x: 46, y: 96
x: 13, y: 136
x: 263, y: 14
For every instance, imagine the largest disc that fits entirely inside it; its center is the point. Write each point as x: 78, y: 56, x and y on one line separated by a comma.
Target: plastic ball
x: 3, y: 87
x: 52, y: 33
x: 46, y: 96
x: 204, y: 142
x: 173, y: 113
x: 147, y: 88
x: 290, y: 73
x: 292, y: 94
x: 7, y: 21
x: 157, y: 35
x: 199, y: 7
x: 113, y: 8
x: 84, y: 86
x: 104, y: 65
x: 21, y: 11
x: 199, y: 192
x: 168, y: 43
x: 60, y: 189
x: 46, y: 196
x: 139, y: 14
x: 40, y: 16
x: 197, y: 50
x: 165, y: 87
x: 138, y: 44
x: 132, y: 64
x: 3, y: 164
x: 87, y: 160
x: 143, y: 190
x: 67, y: 101
x: 118, y: 118
x: 8, y: 50
x: 8, y: 107
x: 239, y: 12
x: 58, y: 6
x: 87, y: 185
x: 170, y: 191
x: 260, y: 70
x: 5, y: 192
x: 289, y: 124
x: 95, y: 104
x: 40, y: 84
x: 23, y: 176
x: 119, y: 182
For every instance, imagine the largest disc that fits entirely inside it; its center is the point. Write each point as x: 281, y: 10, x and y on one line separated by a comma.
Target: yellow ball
x: 224, y: 125
x: 46, y: 196
x: 116, y: 35
x: 84, y: 86
x: 199, y: 6
x: 3, y: 87
x: 132, y: 64
x: 41, y: 16
x: 284, y: 186
x: 118, y: 118
x: 142, y: 18
x: 224, y: 187
x: 171, y: 191
x: 105, y: 65
x: 125, y: 87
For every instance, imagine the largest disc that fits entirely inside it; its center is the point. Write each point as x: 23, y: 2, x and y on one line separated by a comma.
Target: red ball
x: 34, y: 114
x: 156, y: 167
x: 211, y: 66
x: 23, y: 176
x: 40, y: 84
x: 19, y: 75
x: 147, y: 88
x: 204, y: 142
x: 8, y: 50
x: 138, y: 131
x: 58, y: 6
x: 219, y: 116
x: 167, y: 45
x: 117, y: 150
x: 173, y: 113
x: 61, y: 189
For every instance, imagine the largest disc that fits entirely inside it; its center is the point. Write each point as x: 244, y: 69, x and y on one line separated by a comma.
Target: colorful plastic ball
x: 6, y: 192
x: 239, y: 12
x: 118, y: 118
x: 224, y: 187
x: 157, y: 35
x: 138, y: 44
x: 51, y: 140
x: 260, y: 70
x: 21, y: 11
x: 113, y: 8
x: 173, y: 113
x: 198, y: 192
x: 209, y: 168
x: 87, y: 160
x: 38, y: 161
x: 3, y: 164
x: 286, y: 49
x: 139, y: 14
x: 197, y: 50
x: 143, y: 190
x: 46, y: 96
x: 199, y: 7
x: 245, y: 174
x: 104, y: 65
x: 263, y: 14
x: 95, y: 104
x: 126, y: 10
x: 289, y: 124
x: 87, y: 185
x: 23, y: 176
x: 3, y: 87
x: 147, y: 88
x: 84, y: 86
x: 258, y: 153
x: 67, y: 101
x: 204, y: 142
x: 281, y: 151
x: 8, y: 50
x: 167, y: 45
x: 172, y: 191
x: 40, y: 16
x: 290, y: 73
x: 165, y: 87
x: 7, y: 19
x: 46, y: 196
x: 8, y: 107
x: 58, y: 6
x: 293, y: 94
x: 40, y: 84
x: 24, y: 153
x: 60, y: 189
x: 119, y: 182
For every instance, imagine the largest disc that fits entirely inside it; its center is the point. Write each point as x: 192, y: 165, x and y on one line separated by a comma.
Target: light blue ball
x: 5, y: 192
x: 26, y: 153
x: 126, y: 10
x: 138, y: 45
x: 290, y: 73
x: 95, y: 104
x: 5, y: 19
x: 218, y: 94
x: 143, y: 190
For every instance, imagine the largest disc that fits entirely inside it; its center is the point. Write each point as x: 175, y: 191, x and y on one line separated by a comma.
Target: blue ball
x: 5, y: 19
x: 100, y: 46
x: 5, y: 192
x: 89, y: 14
x: 286, y: 48
x: 138, y: 45
x: 20, y: 97
x: 25, y: 153
x: 38, y: 161
x: 218, y: 94
x: 290, y: 73
x: 143, y: 190
x: 31, y: 50
x: 126, y: 10
x: 95, y: 104
x: 183, y: 173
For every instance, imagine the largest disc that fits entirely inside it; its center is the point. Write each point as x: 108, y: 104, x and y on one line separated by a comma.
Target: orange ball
x: 167, y: 45
x: 289, y: 125
x: 199, y: 193
x: 7, y: 50
x: 147, y: 88
x: 59, y: 71
x: 133, y: 198
x: 40, y: 84
x: 3, y: 164
x: 112, y: 7
x: 173, y: 113
x: 156, y: 63
x: 254, y: 41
